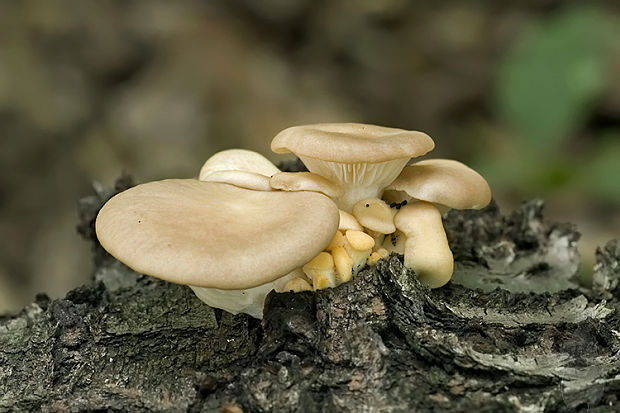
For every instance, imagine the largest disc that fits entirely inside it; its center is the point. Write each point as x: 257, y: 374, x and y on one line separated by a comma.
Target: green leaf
x: 548, y: 82
x: 599, y: 172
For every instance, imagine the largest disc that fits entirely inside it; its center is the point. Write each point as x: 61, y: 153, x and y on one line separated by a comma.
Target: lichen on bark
x: 513, y: 331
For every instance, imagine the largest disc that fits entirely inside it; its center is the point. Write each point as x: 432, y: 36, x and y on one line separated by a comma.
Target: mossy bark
x: 512, y: 332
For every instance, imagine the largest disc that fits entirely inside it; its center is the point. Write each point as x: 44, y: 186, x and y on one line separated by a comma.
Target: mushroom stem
x: 426, y: 250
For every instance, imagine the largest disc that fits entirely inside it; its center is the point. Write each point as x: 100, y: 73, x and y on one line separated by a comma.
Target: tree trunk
x: 512, y: 332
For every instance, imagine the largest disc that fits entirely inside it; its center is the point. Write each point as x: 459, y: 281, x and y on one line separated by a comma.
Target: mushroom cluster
x: 244, y: 228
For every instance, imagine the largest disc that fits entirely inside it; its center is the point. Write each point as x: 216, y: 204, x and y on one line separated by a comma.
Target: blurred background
x: 527, y: 92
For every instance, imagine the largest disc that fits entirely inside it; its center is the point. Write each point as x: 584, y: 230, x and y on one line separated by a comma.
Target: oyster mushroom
x: 217, y: 236
x: 434, y: 181
x: 362, y: 159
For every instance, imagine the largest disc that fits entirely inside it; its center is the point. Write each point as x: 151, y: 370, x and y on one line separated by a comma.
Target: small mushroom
x: 359, y: 247
x: 374, y: 214
x: 305, y: 181
x: 440, y: 181
x: 216, y: 236
x: 426, y: 249
x: 362, y: 159
x: 321, y: 271
x: 377, y: 255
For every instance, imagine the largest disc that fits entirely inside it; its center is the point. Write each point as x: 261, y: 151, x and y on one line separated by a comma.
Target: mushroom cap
x: 305, y: 181
x: 215, y: 235
x: 444, y: 181
x: 237, y: 160
x: 352, y: 142
x: 374, y: 214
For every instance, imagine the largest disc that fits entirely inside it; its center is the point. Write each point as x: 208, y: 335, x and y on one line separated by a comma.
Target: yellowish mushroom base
x: 343, y: 258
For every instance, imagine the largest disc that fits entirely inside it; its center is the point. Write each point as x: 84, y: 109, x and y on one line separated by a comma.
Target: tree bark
x: 512, y: 332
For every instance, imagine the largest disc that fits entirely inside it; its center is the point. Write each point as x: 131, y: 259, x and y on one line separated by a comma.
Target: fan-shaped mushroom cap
x: 305, y: 181
x: 237, y: 160
x: 215, y: 235
x: 364, y: 159
x: 242, y: 179
x: 351, y: 142
x: 444, y: 181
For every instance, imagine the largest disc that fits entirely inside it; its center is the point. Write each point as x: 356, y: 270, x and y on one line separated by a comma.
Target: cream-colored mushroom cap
x: 444, y: 181
x: 215, y: 235
x: 351, y: 142
x: 375, y: 214
x: 237, y: 160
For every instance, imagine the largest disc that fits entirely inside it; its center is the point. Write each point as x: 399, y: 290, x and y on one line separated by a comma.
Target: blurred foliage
x: 548, y: 85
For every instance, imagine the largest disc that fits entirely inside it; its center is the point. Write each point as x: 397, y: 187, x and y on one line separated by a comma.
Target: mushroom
x: 217, y: 236
x: 375, y: 214
x: 441, y: 181
x: 361, y: 158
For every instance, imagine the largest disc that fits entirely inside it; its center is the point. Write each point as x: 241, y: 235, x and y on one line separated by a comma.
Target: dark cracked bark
x: 512, y: 332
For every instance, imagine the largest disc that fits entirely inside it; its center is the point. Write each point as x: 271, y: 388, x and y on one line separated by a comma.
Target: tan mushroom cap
x: 351, y: 142
x: 444, y: 181
x: 215, y: 235
x: 237, y: 160
x: 305, y: 181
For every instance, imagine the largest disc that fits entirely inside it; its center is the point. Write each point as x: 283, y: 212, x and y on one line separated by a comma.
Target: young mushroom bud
x: 321, y: 271
x: 375, y: 214
x: 426, y: 249
x: 362, y: 159
x: 359, y: 247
